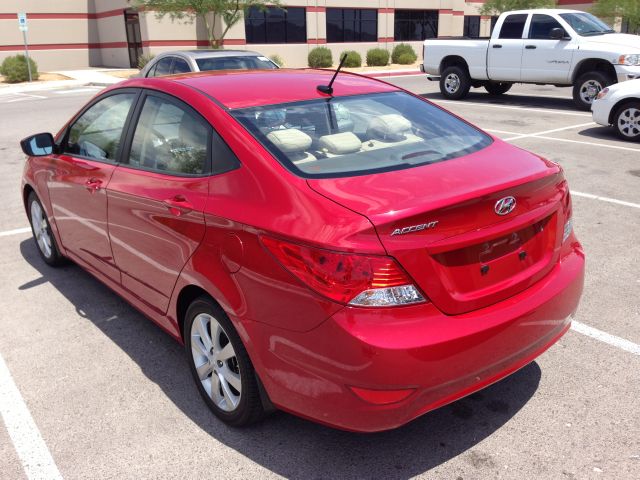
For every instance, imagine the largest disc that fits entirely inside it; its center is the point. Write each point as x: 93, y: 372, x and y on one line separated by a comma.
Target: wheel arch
x: 594, y: 64
x: 26, y: 191
x: 453, y: 61
x: 620, y: 103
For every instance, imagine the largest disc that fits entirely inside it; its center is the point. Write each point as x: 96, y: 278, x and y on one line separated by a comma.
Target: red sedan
x: 357, y: 255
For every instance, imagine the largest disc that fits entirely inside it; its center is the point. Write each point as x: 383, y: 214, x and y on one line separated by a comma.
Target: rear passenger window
x: 163, y: 67
x: 541, y: 26
x: 169, y: 138
x: 180, y: 66
x: 513, y: 26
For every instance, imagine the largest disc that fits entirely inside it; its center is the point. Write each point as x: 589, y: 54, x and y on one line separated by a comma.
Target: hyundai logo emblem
x: 505, y: 205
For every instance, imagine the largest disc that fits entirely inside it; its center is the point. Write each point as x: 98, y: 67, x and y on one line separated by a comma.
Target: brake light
x: 362, y: 280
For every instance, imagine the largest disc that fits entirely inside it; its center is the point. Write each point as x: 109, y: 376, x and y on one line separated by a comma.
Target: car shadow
x: 285, y: 444
x: 512, y: 100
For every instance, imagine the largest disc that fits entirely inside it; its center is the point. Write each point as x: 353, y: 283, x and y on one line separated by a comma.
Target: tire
x: 497, y: 88
x: 235, y: 397
x: 587, y: 86
x: 42, y: 235
x: 626, y: 121
x: 455, y: 83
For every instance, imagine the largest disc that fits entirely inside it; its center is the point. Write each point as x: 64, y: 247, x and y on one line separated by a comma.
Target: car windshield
x: 361, y: 134
x: 235, y: 63
x: 586, y: 24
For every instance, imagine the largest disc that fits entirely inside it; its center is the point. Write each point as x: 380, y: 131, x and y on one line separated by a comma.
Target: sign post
x: 22, y: 25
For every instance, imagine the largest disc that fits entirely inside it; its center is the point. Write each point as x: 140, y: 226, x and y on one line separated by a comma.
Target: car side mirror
x: 38, y: 145
x: 557, y: 33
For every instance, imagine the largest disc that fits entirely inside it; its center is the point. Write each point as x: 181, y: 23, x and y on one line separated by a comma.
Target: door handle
x: 530, y: 47
x: 497, y: 46
x: 93, y: 184
x: 178, y: 205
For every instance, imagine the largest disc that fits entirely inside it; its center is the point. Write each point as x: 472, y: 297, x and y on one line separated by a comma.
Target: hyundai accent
x: 350, y: 253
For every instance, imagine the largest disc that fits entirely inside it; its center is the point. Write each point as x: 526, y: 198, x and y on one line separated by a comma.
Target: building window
x: 415, y: 24
x: 472, y: 26
x: 276, y: 25
x: 352, y: 25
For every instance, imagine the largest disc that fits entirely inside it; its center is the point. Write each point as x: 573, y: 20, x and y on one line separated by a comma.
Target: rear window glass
x: 235, y: 63
x: 357, y: 135
x: 513, y: 26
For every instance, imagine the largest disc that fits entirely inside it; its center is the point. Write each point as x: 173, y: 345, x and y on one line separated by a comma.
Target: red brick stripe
x: 385, y: 39
x: 316, y: 40
x: 316, y: 9
x: 58, y: 16
x: 63, y: 46
x: 386, y: 10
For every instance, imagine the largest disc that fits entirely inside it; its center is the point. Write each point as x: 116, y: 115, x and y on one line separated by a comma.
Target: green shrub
x: 320, y: 57
x: 277, y: 59
x: 353, y: 60
x: 377, y: 57
x: 406, y: 59
x: 144, y: 59
x: 14, y: 69
x: 406, y: 50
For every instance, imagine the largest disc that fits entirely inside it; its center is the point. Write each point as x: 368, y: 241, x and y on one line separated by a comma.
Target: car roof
x: 211, y: 53
x: 546, y: 11
x: 250, y: 88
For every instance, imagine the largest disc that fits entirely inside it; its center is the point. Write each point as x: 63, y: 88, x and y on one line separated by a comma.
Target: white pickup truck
x: 542, y: 46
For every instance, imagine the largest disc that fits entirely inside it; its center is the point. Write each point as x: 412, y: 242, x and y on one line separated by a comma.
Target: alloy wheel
x: 452, y: 83
x: 589, y: 90
x: 629, y: 122
x: 41, y: 229
x: 216, y: 362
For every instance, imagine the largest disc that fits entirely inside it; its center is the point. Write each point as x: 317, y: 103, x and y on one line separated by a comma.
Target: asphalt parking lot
x: 106, y: 394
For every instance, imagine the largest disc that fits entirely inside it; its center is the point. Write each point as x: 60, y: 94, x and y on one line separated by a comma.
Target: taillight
x: 568, y: 225
x: 360, y: 280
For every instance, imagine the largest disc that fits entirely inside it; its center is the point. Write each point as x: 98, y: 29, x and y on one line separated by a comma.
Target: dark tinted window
x: 97, y: 132
x: 162, y: 68
x: 360, y: 134
x: 180, y: 66
x: 513, y: 26
x: 541, y: 26
x: 170, y: 138
x: 586, y: 24
x: 276, y: 25
x: 352, y: 25
x: 472, y: 26
x: 235, y: 63
x: 415, y: 24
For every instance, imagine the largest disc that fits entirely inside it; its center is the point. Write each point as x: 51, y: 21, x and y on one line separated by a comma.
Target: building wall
x: 68, y: 34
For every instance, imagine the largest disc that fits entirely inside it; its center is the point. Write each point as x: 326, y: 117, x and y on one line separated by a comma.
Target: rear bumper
x: 442, y: 358
x: 624, y: 72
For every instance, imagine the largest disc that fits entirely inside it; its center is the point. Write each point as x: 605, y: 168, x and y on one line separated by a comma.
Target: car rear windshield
x: 361, y: 134
x: 235, y: 63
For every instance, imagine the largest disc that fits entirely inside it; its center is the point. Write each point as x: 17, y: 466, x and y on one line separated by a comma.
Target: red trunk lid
x: 472, y: 257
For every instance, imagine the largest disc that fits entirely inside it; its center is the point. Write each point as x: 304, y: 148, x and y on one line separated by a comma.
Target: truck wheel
x: 587, y: 86
x: 455, y: 83
x: 627, y: 121
x: 497, y: 88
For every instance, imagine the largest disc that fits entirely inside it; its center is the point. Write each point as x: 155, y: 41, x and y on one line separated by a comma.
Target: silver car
x: 186, y: 61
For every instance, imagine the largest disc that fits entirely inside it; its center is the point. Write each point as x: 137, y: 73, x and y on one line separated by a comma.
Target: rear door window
x: 513, y: 26
x: 180, y: 66
x: 163, y: 67
x: 170, y: 138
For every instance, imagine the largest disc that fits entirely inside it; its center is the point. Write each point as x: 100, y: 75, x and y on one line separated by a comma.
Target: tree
x: 629, y: 10
x: 209, y: 11
x: 496, y: 7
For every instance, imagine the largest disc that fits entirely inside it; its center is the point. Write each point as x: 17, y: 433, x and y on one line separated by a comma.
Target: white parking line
x: 77, y: 90
x: 593, y: 144
x: 605, y: 199
x: 605, y: 337
x: 27, y: 440
x: 545, y: 132
x: 16, y: 231
x: 507, y: 107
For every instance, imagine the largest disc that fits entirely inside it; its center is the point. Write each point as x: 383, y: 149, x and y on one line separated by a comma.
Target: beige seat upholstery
x: 388, y: 131
x: 293, y: 143
x: 340, y: 143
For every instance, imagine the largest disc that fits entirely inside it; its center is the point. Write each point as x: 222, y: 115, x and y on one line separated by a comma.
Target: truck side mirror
x: 557, y: 33
x: 38, y: 145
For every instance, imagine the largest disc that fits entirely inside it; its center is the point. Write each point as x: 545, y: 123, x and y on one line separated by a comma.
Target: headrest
x: 340, y: 143
x: 290, y: 140
x: 389, y: 127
